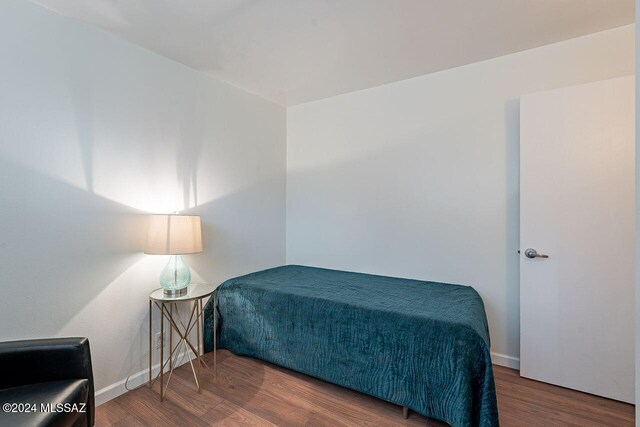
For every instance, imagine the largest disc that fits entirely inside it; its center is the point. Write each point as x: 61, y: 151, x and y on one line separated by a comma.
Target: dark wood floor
x: 252, y: 392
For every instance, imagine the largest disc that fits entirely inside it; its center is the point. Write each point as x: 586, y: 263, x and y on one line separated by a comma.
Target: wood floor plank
x: 110, y: 413
x: 228, y: 414
x: 128, y: 421
x: 255, y: 393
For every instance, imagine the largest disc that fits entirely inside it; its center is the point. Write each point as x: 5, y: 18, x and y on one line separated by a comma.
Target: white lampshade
x: 174, y: 235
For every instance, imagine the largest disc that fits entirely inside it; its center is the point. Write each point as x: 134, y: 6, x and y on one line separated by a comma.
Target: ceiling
x: 296, y: 51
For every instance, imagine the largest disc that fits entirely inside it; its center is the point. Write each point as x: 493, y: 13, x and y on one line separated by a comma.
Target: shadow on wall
x: 512, y: 226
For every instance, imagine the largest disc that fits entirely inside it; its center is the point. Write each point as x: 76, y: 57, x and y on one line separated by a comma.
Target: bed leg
x: 405, y: 412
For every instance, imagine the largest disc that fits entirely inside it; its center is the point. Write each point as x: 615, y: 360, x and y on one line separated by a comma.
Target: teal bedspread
x: 423, y: 345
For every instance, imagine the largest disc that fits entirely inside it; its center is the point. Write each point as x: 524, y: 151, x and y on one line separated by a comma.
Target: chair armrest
x: 37, y: 361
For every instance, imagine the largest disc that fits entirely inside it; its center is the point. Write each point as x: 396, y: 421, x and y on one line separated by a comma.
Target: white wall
x: 419, y: 178
x: 94, y: 133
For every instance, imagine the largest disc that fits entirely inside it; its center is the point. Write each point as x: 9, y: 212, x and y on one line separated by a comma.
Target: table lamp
x: 174, y: 235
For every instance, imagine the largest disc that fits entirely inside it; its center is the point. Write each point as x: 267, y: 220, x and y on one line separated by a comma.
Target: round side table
x: 170, y: 310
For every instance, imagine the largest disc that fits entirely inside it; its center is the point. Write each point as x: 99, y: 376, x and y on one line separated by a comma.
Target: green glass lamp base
x: 175, y: 277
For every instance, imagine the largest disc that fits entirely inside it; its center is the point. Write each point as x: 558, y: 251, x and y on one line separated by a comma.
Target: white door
x: 577, y: 207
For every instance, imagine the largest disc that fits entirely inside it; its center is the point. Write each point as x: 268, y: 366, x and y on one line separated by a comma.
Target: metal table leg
x: 183, y: 331
x: 162, y: 352
x: 150, y: 338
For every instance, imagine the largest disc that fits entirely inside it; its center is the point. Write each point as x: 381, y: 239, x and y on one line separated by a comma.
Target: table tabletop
x: 194, y: 291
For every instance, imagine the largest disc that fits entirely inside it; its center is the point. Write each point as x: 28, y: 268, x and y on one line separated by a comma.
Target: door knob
x: 532, y: 253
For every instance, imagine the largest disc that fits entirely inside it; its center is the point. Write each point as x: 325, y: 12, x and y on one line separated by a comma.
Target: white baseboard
x: 504, y: 360
x: 114, y: 390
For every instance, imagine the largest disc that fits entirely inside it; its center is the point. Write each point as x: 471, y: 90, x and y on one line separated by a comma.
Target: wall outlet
x: 157, y: 343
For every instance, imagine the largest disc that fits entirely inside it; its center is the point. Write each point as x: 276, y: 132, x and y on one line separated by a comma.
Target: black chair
x: 55, y: 375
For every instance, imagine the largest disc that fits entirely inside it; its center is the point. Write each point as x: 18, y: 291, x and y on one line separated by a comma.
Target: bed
x: 422, y: 345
